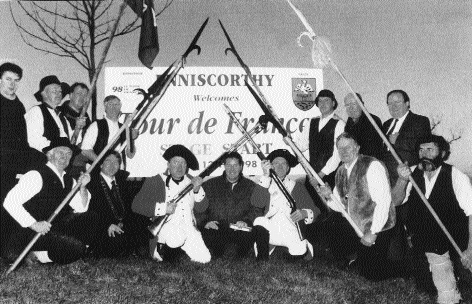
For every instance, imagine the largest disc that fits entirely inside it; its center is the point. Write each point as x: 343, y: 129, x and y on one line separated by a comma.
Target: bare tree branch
x: 71, y: 29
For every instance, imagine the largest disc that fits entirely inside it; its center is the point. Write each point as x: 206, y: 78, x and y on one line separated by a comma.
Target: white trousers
x: 282, y: 232
x: 443, y: 278
x: 189, y: 239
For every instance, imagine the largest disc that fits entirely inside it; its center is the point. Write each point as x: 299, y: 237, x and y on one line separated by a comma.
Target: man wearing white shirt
x: 156, y: 198
x: 363, y: 188
x: 44, y: 123
x: 320, y: 140
x: 449, y: 192
x: 102, y: 131
x: 283, y: 224
x: 34, y: 199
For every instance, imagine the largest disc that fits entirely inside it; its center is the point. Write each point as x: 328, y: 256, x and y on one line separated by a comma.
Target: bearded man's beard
x: 427, y: 164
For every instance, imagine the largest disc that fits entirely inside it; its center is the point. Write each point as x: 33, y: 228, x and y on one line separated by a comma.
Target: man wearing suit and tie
x: 403, y: 130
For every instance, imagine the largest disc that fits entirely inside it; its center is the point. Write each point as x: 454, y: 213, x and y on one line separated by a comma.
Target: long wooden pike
x: 269, y: 111
x: 128, y: 121
x: 74, y: 190
x: 93, y: 87
x: 327, y: 59
x: 273, y: 175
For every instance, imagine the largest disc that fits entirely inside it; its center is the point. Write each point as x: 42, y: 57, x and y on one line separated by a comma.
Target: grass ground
x: 227, y: 280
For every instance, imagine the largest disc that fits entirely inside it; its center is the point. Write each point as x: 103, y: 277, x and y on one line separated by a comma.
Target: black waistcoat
x: 321, y: 143
x: 427, y: 235
x: 102, y: 136
x: 51, y: 129
x: 43, y: 204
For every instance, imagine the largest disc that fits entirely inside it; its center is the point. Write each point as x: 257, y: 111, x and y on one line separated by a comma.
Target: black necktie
x: 392, y: 128
x: 114, y: 191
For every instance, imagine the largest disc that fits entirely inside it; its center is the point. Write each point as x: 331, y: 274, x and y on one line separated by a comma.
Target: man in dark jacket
x: 228, y: 209
x: 120, y: 231
x: 361, y: 128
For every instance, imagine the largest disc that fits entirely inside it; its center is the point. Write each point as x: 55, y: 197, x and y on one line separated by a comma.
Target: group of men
x: 109, y: 214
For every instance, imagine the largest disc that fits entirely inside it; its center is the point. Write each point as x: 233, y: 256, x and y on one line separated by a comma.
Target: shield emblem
x: 304, y: 93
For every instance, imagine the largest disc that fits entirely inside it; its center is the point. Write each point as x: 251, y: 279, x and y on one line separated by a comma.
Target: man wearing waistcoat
x: 319, y: 138
x: 449, y: 192
x: 44, y: 122
x: 34, y: 199
x: 102, y: 131
x: 284, y: 225
x: 155, y: 199
x: 363, y: 188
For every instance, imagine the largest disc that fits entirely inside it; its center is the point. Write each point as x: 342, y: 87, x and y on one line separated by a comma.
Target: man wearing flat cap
x: 34, y: 199
x: 280, y: 219
x: 156, y: 199
x: 319, y: 138
x: 44, y: 122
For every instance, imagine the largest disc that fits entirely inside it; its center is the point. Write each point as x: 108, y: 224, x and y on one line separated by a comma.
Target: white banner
x: 191, y: 112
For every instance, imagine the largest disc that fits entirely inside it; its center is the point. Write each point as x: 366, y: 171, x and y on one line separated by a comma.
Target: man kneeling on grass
x: 449, y: 193
x: 156, y: 199
x: 36, y: 196
x: 279, y: 221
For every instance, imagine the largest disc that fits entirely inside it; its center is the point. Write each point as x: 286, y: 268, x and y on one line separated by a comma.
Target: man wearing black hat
x: 34, y: 199
x: 228, y: 210
x: 449, y: 192
x: 44, y: 122
x: 279, y: 219
x: 156, y: 199
x: 319, y: 139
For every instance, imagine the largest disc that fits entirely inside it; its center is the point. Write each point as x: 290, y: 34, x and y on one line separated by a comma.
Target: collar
x: 349, y: 168
x: 402, y: 119
x: 53, y: 168
x: 327, y: 117
x: 434, y: 174
x: 107, y: 179
x: 110, y: 122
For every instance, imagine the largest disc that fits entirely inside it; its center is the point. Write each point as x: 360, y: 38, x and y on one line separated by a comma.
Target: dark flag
x: 148, y: 42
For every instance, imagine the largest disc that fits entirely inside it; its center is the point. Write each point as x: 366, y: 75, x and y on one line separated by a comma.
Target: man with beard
x: 280, y: 222
x: 34, y: 199
x: 44, y: 122
x: 363, y: 188
x: 449, y: 193
x: 156, y: 199
x: 228, y: 210
x: 120, y: 231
